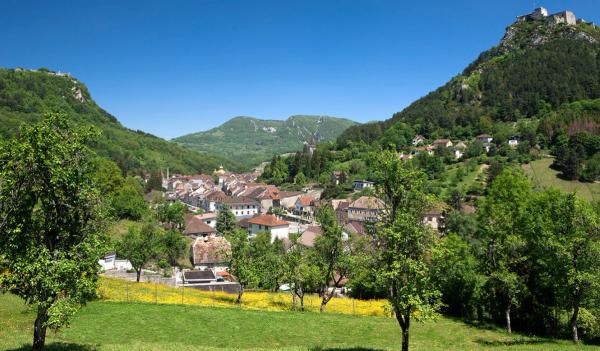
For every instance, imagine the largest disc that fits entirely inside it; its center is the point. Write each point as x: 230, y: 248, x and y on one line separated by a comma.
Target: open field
x: 544, y: 176
x: 143, y: 326
x: 124, y: 291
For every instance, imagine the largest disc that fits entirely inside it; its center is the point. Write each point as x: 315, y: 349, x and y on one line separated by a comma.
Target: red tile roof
x: 268, y: 220
x: 306, y: 200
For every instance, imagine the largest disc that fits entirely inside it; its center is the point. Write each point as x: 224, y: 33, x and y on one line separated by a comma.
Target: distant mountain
x: 25, y: 95
x: 542, y: 62
x: 251, y: 140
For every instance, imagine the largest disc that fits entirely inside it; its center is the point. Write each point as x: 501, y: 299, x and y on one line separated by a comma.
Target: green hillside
x: 26, y: 95
x: 252, y: 140
x: 536, y: 67
x: 143, y: 326
x: 543, y: 176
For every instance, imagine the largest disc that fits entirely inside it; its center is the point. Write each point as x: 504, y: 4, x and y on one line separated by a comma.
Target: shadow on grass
x: 318, y: 348
x: 514, y: 342
x: 59, y: 346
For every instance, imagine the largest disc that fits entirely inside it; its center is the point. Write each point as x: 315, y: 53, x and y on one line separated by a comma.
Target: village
x: 261, y: 207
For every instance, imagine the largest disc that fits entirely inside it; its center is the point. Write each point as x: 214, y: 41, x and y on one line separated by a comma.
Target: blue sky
x: 176, y: 67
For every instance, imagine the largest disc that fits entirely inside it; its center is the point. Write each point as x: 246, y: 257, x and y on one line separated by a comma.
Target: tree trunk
x: 138, y: 273
x: 240, y: 293
x: 294, y: 299
x: 39, y: 330
x: 507, y: 314
x: 326, y: 297
x: 404, y: 321
x: 405, y: 339
x: 573, y: 323
x: 302, y: 302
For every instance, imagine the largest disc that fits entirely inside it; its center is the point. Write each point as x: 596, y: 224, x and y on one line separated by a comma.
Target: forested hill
x: 25, y: 96
x: 538, y: 65
x: 252, y: 140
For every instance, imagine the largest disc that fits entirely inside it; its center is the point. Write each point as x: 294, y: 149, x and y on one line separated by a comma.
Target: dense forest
x: 25, y: 96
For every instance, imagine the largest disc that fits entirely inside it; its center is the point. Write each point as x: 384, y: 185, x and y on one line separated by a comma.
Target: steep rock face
x: 522, y: 35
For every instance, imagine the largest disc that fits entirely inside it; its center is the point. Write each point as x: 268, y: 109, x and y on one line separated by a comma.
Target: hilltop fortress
x: 541, y: 14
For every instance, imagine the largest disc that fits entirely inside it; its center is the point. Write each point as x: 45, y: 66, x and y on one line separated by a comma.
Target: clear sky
x: 175, y: 67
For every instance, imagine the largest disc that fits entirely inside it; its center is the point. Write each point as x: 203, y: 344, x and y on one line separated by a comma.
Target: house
x: 485, y: 138
x: 194, y: 277
x: 211, y: 200
x: 309, y: 236
x: 110, y: 262
x: 513, y: 142
x: 195, y: 227
x: 429, y: 149
x: 305, y: 206
x: 209, y: 218
x: 434, y: 218
x: 365, y: 208
x: 278, y: 228
x: 210, y: 253
x: 418, y: 139
x: 460, y: 145
x: 362, y: 184
x: 355, y: 228
x: 287, y: 199
x: 241, y: 207
x: 442, y: 142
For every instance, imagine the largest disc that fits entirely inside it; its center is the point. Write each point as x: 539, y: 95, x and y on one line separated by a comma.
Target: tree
x: 174, y: 245
x: 240, y: 260
x: 171, y: 214
x: 499, y: 218
x: 128, y: 201
x: 225, y: 221
x: 456, y: 274
x: 141, y: 245
x: 155, y: 182
x: 330, y: 256
x: 402, y: 260
x: 591, y: 172
x: 50, y: 220
x: 456, y: 199
x: 568, y: 250
x: 107, y: 175
x: 268, y: 257
x: 300, y: 179
x: 300, y: 272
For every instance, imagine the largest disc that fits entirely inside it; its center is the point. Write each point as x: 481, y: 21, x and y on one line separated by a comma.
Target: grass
x: 543, y: 177
x: 105, y: 325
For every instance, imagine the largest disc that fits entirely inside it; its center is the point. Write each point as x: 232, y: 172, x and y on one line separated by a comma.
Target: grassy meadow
x: 107, y: 325
x: 124, y: 291
x: 543, y: 177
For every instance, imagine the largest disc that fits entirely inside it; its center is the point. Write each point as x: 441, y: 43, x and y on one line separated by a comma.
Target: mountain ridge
x: 539, y: 60
x: 26, y: 95
x: 255, y: 140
